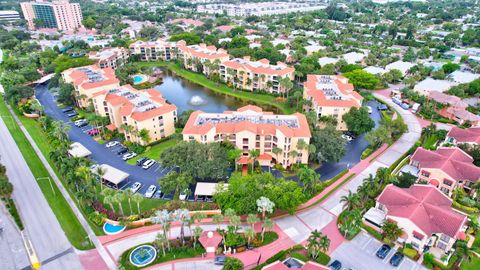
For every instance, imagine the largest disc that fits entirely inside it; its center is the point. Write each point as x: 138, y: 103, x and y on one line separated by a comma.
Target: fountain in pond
x: 197, y: 101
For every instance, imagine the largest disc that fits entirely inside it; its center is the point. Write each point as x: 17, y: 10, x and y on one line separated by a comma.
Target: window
x: 447, y: 182
x: 425, y: 173
x: 445, y: 238
x: 245, y: 141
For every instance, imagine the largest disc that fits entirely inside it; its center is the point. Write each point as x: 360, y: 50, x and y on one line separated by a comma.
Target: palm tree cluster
x: 317, y: 243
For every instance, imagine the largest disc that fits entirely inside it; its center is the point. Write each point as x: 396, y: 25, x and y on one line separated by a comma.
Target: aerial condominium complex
x: 154, y: 50
x: 110, y: 58
x: 331, y: 96
x: 258, y: 9
x: 199, y: 58
x: 281, y: 139
x: 89, y: 80
x: 60, y: 14
x: 146, y: 109
x: 256, y: 75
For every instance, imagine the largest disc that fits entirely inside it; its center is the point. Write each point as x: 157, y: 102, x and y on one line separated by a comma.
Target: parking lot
x: 359, y: 254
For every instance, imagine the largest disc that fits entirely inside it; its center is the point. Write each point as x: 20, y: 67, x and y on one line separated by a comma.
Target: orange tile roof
x: 202, y: 51
x: 354, y: 99
x: 80, y: 78
x: 303, y: 129
x: 259, y: 67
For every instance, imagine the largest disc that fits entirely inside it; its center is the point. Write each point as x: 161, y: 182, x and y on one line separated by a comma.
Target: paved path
x: 12, y: 250
x: 41, y: 225
x: 107, y: 259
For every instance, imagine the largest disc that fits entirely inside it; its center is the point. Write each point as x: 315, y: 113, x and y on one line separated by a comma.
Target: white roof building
x: 375, y: 70
x: 429, y: 85
x: 353, y: 57
x: 206, y: 189
x: 113, y: 175
x: 313, y: 49
x: 78, y: 150
x: 463, y: 77
x: 327, y: 60
x: 400, y: 65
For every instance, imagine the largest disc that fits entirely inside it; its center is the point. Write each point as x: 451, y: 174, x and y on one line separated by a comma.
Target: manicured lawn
x: 268, y: 238
x: 154, y: 151
x: 261, y: 99
x: 473, y: 265
x: 64, y: 214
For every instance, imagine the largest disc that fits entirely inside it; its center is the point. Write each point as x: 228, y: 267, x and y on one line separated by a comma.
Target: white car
x: 128, y: 156
x: 111, y: 144
x: 370, y: 110
x: 136, y: 186
x: 183, y: 195
x: 150, y: 191
x: 149, y: 163
x: 347, y: 138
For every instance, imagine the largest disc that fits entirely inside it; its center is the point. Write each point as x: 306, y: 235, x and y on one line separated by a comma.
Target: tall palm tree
x: 108, y: 199
x: 351, y: 200
x: 100, y: 171
x: 197, y: 232
x: 252, y: 219
x: 463, y: 253
x: 324, y: 243
x: 250, y: 234
x: 137, y: 198
x: 183, y: 216
x: 235, y: 221
x: 254, y: 153
x: 277, y: 151
x: 119, y: 197
x: 161, y: 241
x: 268, y: 225
x: 128, y: 193
x: 313, y: 244
x: 164, y: 218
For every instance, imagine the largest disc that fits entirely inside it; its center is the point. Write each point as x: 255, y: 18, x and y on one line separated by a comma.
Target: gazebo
x: 210, y: 241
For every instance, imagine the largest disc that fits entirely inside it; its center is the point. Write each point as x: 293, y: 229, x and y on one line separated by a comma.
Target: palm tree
x: 163, y: 218
x: 137, y: 198
x: 162, y: 241
x: 363, y: 192
x: 100, y: 171
x: 301, y: 145
x: 309, y: 179
x: 264, y: 205
x: 129, y: 195
x: 268, y: 225
x: 108, y: 199
x: 463, y: 252
x: 254, y: 153
x: 351, y: 200
x: 217, y: 219
x: 145, y: 135
x: 313, y: 244
x: 391, y: 231
x: 182, y: 215
x: 383, y: 175
x: 351, y: 222
x: 286, y: 84
x: 118, y: 198
x: 235, y: 221
x: 197, y: 232
x: 250, y: 234
x: 277, y: 151
x: 252, y: 219
x: 324, y: 243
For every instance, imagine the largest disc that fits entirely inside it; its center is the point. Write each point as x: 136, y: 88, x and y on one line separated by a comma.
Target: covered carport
x: 78, y: 150
x: 112, y: 177
x: 204, y: 191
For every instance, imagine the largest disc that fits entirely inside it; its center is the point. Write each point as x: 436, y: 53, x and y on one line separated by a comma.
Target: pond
x: 190, y: 96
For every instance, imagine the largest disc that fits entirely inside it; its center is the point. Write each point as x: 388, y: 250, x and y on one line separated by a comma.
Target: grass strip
x: 154, y: 151
x: 64, y: 214
x: 200, y: 79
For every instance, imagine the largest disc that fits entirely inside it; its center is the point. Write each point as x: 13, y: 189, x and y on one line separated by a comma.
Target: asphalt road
x: 42, y: 227
x: 12, y: 250
x: 100, y: 153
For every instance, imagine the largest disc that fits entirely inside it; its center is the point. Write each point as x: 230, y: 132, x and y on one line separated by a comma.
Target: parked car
x: 72, y: 114
x: 149, y: 163
x: 142, y: 161
x: 219, y: 260
x: 382, y: 107
x: 347, y: 137
x: 396, y: 259
x: 129, y: 155
x: 370, y: 110
x: 82, y: 124
x: 136, y: 186
x: 111, y: 144
x: 336, y: 265
x: 67, y: 109
x: 383, y: 251
x: 150, y: 191
x: 183, y: 195
x: 122, y: 151
x: 93, y: 132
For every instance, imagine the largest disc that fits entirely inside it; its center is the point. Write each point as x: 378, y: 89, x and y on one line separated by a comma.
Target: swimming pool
x: 143, y: 255
x: 111, y: 229
x: 137, y: 79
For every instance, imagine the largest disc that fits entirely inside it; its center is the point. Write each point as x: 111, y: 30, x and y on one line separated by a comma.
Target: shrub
x: 466, y: 209
x: 97, y: 218
x: 323, y: 258
x: 299, y: 256
x: 372, y: 232
x: 367, y: 152
x: 409, y: 252
x: 277, y: 257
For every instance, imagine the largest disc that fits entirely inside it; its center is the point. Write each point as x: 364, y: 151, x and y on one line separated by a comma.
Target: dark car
x: 72, y: 114
x: 220, y: 260
x: 383, y: 251
x: 336, y: 265
x: 396, y: 259
x: 142, y: 160
x: 67, y: 109
x: 382, y: 107
x: 122, y: 151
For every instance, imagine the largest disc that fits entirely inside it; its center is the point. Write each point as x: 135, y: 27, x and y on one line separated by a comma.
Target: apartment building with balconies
x: 280, y: 139
x: 200, y: 58
x: 154, y: 50
x: 110, y: 57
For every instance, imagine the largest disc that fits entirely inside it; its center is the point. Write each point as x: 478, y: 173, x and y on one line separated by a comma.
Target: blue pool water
x: 143, y: 255
x: 111, y: 229
x: 137, y: 79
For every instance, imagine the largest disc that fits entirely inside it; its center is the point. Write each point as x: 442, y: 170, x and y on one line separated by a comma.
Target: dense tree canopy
x: 358, y: 120
x: 362, y: 79
x: 329, y: 144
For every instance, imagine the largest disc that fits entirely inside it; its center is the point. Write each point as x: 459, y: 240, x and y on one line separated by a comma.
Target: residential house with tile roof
x: 446, y: 168
x: 425, y: 216
x: 331, y: 96
x: 250, y: 128
x: 198, y: 57
x: 458, y: 135
x: 88, y: 80
x: 145, y: 109
x: 256, y: 75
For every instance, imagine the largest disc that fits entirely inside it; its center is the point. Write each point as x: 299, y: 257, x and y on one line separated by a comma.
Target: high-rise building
x: 59, y: 14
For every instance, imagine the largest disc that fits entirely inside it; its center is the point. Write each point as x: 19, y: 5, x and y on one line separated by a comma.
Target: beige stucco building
x: 250, y: 128
x: 198, y: 57
x: 89, y: 80
x: 144, y: 109
x: 154, y: 50
x: 331, y: 96
x: 110, y: 57
x: 256, y: 75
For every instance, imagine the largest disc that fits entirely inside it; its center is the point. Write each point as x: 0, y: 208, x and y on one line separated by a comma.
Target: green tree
x: 391, y: 231
x: 137, y: 198
x: 161, y: 241
x: 358, y: 120
x: 233, y: 264
x: 351, y: 201
x: 89, y: 22
x: 309, y: 180
x: 450, y: 67
x: 329, y: 144
x: 145, y: 135
x: 362, y: 79
x: 175, y: 182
